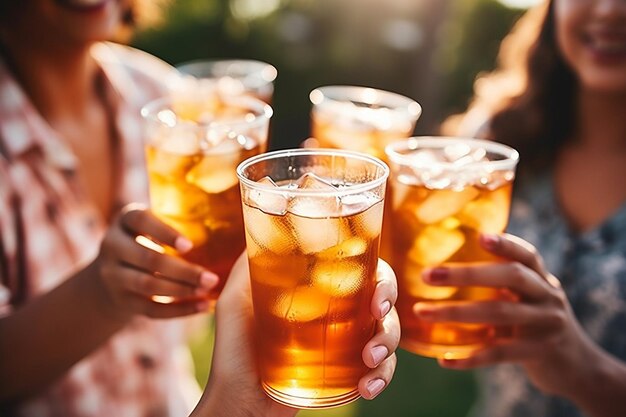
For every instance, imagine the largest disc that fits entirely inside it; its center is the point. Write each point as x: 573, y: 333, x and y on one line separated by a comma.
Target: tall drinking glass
x: 192, y: 154
x: 363, y: 119
x: 230, y: 77
x: 313, y: 219
x: 446, y: 192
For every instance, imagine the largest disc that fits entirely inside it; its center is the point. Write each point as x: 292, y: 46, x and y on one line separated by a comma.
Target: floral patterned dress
x: 592, y: 269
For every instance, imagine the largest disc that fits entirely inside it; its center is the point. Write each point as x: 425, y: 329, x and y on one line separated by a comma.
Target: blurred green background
x: 429, y: 50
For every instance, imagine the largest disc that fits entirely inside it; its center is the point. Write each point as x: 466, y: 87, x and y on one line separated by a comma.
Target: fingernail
x: 385, y: 307
x: 379, y: 353
x: 375, y: 386
x: 202, y: 306
x: 182, y: 244
x: 437, y: 275
x: 490, y: 241
x: 208, y: 279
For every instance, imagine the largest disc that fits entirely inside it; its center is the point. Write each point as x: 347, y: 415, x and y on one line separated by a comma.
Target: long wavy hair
x: 527, y: 102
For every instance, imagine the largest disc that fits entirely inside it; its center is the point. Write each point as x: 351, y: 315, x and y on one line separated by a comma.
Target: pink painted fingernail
x: 208, y: 279
x: 375, y: 386
x: 182, y: 244
x: 385, y: 307
x: 490, y: 241
x: 379, y: 353
x: 438, y: 274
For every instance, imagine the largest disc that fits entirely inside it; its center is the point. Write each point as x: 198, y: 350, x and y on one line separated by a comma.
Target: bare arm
x: 47, y: 336
x: 44, y: 338
x: 550, y: 344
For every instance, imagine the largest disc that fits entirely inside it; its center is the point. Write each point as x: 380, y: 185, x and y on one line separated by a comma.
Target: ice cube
x: 435, y: 244
x: 444, y: 203
x: 215, y: 174
x: 489, y: 213
x: 267, y: 201
x: 368, y: 221
x: 268, y: 231
x: 317, y: 235
x: 167, y: 164
x: 177, y: 199
x: 417, y: 288
x: 183, y: 142
x: 353, y: 246
x: 195, y: 231
x: 339, y: 278
x: 318, y: 206
x: 315, y: 219
x: 302, y: 304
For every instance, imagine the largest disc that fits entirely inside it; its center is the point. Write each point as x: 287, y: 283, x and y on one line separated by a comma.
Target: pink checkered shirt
x: 48, y: 231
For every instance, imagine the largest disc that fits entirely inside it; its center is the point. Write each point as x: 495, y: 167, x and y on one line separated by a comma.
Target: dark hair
x: 528, y: 101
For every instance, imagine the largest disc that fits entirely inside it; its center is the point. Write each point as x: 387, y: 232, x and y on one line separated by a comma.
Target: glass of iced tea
x: 229, y: 77
x: 313, y: 220
x: 446, y: 192
x: 192, y: 152
x: 363, y: 119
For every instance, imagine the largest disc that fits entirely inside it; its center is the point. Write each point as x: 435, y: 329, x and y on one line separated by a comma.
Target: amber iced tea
x: 312, y: 244
x: 361, y: 118
x: 446, y: 192
x: 192, y: 155
x: 229, y: 77
x: 366, y: 120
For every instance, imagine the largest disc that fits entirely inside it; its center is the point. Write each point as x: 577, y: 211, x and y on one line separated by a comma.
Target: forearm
x: 602, y: 392
x: 43, y: 339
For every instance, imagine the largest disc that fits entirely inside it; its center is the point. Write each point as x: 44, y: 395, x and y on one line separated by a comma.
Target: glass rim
x: 394, y: 149
x: 391, y: 101
x: 348, y: 190
x: 263, y: 112
x: 267, y: 71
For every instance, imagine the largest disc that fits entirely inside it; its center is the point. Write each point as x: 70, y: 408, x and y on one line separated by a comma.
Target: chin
x: 92, y: 20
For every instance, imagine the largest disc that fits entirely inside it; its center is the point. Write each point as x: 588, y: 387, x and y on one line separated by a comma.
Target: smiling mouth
x: 609, y: 43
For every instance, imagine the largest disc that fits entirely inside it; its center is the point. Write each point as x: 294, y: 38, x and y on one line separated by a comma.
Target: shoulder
x: 131, y: 69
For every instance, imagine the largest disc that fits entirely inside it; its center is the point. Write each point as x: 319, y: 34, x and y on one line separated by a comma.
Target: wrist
x: 103, y: 301
x: 219, y: 401
x: 601, y: 384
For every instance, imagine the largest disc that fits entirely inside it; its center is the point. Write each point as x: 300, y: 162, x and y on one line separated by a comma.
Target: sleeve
x: 8, y: 240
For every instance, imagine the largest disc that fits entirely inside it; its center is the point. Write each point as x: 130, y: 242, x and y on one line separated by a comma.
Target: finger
x: 516, y: 249
x: 310, y: 143
x: 386, y: 291
x: 376, y: 380
x: 492, y: 312
x: 164, y: 311
x: 236, y: 291
x: 147, y: 285
x: 143, y: 222
x: 512, y: 275
x: 384, y: 342
x: 503, y: 352
x: 169, y: 267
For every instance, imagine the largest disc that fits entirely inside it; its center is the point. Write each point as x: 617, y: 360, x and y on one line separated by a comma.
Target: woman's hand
x: 234, y: 388
x: 548, y: 340
x: 132, y: 273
